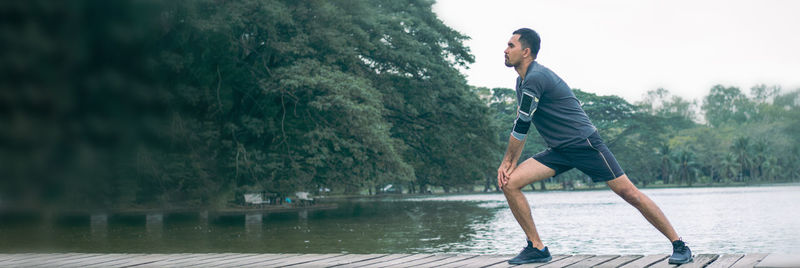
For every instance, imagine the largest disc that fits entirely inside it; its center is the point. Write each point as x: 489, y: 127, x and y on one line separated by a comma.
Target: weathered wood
x: 566, y: 261
x: 620, y: 261
x: 103, y: 258
x: 725, y: 261
x: 119, y: 258
x: 381, y: 260
x: 366, y: 263
x: 477, y: 261
x: 186, y: 259
x: 343, y: 259
x: 32, y: 260
x: 408, y: 259
x: 701, y: 260
x: 217, y: 262
x: 174, y: 258
x: 260, y: 258
x: 645, y: 261
x: 303, y: 258
x: 423, y: 261
x: 64, y: 261
x: 452, y: 259
x: 779, y: 261
x: 554, y: 259
x: 593, y: 261
x: 749, y: 260
x: 194, y: 261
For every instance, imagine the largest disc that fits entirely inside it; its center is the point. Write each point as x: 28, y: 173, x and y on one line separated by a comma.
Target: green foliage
x: 114, y: 108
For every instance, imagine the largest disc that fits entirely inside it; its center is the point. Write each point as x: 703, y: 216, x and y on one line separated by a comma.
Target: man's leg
x: 625, y: 189
x: 528, y: 172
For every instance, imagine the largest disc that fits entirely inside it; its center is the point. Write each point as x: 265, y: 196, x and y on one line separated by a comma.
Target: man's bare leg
x: 625, y: 189
x: 526, y: 173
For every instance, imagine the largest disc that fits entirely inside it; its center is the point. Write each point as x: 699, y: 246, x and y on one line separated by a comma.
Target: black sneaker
x: 680, y: 253
x: 531, y: 254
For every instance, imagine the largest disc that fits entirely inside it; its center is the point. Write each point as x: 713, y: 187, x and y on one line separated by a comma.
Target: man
x: 547, y: 102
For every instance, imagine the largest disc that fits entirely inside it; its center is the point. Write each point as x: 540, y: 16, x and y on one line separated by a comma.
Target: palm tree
x: 740, y: 147
x: 759, y: 148
x: 686, y: 165
x: 728, y: 166
x: 666, y: 161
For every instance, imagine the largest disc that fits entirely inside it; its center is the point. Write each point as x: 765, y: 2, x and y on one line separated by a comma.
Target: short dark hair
x: 529, y: 39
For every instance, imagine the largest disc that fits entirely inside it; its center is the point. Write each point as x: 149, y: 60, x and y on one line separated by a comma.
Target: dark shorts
x: 591, y: 156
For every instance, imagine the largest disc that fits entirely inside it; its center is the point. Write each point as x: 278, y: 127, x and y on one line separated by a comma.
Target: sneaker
x: 531, y: 254
x: 680, y: 253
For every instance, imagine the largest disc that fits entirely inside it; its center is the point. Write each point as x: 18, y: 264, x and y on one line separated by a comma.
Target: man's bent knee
x: 528, y: 172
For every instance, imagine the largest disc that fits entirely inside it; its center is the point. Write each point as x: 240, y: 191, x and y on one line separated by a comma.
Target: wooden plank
x: 32, y: 260
x: 115, y: 258
x: 701, y: 260
x: 374, y: 261
x: 199, y: 259
x: 566, y: 261
x: 223, y: 260
x: 173, y: 258
x: 725, y: 261
x: 76, y: 261
x: 593, y: 261
x: 412, y: 258
x: 452, y: 259
x: 192, y: 259
x: 423, y: 261
x: 164, y: 260
x: 779, y: 261
x: 302, y: 258
x: 749, y: 260
x: 617, y: 262
x: 343, y: 259
x: 143, y: 259
x: 645, y: 261
x: 477, y: 259
x: 103, y: 258
x: 309, y: 258
x: 260, y: 258
x: 554, y: 259
x: 698, y: 261
x: 129, y: 259
x: 664, y: 264
x: 480, y: 261
x: 63, y: 261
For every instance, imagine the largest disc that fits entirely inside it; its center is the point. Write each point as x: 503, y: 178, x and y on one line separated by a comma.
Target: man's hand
x: 504, y: 173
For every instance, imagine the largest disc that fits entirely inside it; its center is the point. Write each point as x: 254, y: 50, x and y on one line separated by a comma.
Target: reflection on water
x: 711, y: 220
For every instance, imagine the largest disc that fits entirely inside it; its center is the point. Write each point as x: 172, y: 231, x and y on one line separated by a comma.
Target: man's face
x: 514, y: 52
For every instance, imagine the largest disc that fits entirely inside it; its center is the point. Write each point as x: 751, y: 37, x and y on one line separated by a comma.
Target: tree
x: 726, y: 104
x: 741, y: 148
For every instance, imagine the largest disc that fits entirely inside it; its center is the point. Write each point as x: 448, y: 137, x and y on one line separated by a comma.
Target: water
x: 711, y: 220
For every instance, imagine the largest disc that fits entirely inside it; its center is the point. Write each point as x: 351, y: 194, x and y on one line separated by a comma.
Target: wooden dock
x: 379, y: 260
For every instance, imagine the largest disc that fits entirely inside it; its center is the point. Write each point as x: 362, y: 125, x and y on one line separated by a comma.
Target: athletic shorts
x: 591, y: 156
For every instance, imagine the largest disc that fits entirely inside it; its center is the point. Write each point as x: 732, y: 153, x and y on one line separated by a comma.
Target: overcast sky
x: 628, y: 47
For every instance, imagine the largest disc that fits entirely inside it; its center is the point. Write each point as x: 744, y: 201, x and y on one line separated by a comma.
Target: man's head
x: 523, y: 46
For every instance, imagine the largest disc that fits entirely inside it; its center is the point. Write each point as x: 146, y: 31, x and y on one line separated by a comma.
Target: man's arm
x: 528, y: 103
x: 510, y: 160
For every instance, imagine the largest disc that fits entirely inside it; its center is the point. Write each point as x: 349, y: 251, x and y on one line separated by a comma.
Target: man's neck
x: 522, y: 69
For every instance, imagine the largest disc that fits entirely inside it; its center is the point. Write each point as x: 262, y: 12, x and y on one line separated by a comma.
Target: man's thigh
x: 528, y: 172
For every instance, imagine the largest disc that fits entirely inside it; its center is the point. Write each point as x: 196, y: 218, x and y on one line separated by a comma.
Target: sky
x: 626, y: 48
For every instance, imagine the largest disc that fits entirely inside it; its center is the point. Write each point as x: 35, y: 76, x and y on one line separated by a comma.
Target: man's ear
x: 526, y: 52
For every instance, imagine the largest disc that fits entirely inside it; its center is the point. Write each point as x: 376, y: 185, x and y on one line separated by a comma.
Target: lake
x: 711, y: 220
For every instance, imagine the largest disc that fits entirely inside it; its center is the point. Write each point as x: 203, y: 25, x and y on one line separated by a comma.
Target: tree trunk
x: 541, y: 185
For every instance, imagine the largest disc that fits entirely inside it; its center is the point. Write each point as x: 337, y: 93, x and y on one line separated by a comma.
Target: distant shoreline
x: 555, y: 188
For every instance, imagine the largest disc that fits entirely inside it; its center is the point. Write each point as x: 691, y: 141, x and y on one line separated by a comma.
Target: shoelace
x: 681, y: 249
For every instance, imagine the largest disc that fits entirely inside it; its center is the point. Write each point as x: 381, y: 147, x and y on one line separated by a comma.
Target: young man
x: 547, y: 102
